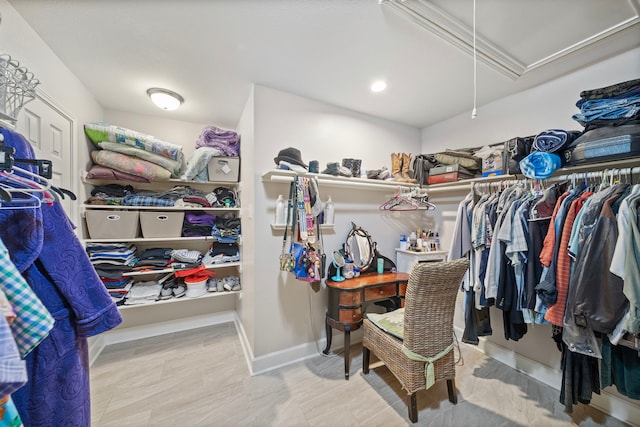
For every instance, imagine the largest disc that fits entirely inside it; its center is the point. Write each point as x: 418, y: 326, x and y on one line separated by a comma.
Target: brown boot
x: 396, y: 166
x: 406, y: 161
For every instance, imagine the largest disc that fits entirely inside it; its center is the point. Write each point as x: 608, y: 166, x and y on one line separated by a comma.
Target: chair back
x: 429, y: 305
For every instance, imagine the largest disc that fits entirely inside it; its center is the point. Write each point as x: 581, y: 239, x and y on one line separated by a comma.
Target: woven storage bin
x: 104, y: 224
x: 161, y: 224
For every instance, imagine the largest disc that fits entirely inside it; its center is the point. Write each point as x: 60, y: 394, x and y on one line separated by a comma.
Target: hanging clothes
x: 32, y: 322
x: 555, y: 313
x: 44, y: 248
x: 13, y: 372
x: 626, y: 258
x: 477, y: 321
x: 620, y: 367
x: 599, y: 301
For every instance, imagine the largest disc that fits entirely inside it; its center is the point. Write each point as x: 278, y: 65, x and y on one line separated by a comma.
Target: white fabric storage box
x: 161, y: 224
x: 224, y: 169
x: 104, y: 224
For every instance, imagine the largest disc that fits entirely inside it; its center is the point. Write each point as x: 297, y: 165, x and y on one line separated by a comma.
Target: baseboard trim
x: 278, y: 359
x: 244, y: 343
x: 281, y: 358
x: 606, y: 402
x: 117, y: 335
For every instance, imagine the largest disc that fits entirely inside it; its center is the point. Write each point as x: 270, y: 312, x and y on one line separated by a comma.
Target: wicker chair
x: 428, y: 331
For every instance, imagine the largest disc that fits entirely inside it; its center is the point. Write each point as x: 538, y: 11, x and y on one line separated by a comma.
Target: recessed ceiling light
x: 378, y: 86
x: 165, y: 99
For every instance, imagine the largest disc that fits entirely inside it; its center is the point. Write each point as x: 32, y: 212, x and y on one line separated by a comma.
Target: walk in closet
x: 149, y: 227
x: 299, y: 74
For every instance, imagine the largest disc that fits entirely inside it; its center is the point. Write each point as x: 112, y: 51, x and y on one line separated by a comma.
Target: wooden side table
x: 346, y: 304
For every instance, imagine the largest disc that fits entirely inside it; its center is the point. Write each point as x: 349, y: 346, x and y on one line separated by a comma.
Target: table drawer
x: 350, y: 315
x: 350, y: 298
x: 379, y: 292
x: 403, y: 289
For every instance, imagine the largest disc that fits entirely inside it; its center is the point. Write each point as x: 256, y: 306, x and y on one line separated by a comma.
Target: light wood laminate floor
x: 200, y: 378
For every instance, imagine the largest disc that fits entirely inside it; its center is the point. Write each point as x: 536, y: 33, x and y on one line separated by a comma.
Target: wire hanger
x: 399, y: 202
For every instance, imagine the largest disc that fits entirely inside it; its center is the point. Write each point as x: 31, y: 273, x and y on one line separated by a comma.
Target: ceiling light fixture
x: 164, y: 98
x: 378, y: 86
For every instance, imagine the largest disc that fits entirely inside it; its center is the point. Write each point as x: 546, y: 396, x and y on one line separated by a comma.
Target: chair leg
x: 451, y: 387
x: 365, y: 360
x: 413, y: 408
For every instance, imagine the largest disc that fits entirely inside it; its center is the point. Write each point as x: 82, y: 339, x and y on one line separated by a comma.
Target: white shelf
x: 172, y: 300
x: 436, y: 254
x: 173, y: 181
x: 282, y: 227
x: 154, y: 239
x: 170, y: 270
x: 560, y: 174
x: 156, y: 208
x: 326, y: 180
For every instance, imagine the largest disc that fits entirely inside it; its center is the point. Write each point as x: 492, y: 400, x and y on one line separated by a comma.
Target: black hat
x: 291, y: 155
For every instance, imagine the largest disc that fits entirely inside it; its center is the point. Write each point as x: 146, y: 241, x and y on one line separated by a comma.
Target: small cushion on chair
x: 391, y: 322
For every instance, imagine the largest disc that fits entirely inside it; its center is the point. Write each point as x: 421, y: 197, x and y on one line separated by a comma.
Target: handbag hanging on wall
x: 287, y: 260
x: 307, y: 253
x: 304, y: 259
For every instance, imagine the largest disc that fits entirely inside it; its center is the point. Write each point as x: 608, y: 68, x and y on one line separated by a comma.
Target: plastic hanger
x: 36, y: 184
x: 20, y: 200
x: 44, y: 167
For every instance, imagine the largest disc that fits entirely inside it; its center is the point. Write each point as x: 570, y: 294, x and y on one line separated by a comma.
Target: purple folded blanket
x: 227, y: 141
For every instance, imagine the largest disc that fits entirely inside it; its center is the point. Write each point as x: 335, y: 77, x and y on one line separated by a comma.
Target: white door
x: 50, y: 132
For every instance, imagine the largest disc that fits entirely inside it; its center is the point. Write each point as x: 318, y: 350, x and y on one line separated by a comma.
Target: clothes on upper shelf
x: 43, y: 247
x: 613, y: 105
x: 226, y: 230
x: 197, y: 224
x: 178, y: 196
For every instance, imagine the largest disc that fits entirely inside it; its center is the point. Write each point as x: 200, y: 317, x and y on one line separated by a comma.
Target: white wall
x: 247, y: 300
x: 57, y: 82
x: 547, y: 106
x: 288, y: 316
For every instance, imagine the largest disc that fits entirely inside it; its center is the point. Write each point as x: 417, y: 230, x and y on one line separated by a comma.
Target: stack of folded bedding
x: 133, y: 153
x: 212, y: 142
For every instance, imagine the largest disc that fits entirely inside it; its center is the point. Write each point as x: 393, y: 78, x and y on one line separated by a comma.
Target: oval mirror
x: 359, y: 248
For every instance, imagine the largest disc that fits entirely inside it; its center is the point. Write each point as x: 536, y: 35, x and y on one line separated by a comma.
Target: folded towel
x: 554, y: 139
x: 197, y: 166
x: 227, y: 141
x: 540, y: 165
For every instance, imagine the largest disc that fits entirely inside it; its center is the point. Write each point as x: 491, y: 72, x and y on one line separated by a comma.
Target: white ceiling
x: 330, y: 50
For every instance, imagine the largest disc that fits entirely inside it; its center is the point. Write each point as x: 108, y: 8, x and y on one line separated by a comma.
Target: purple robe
x: 43, y: 246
